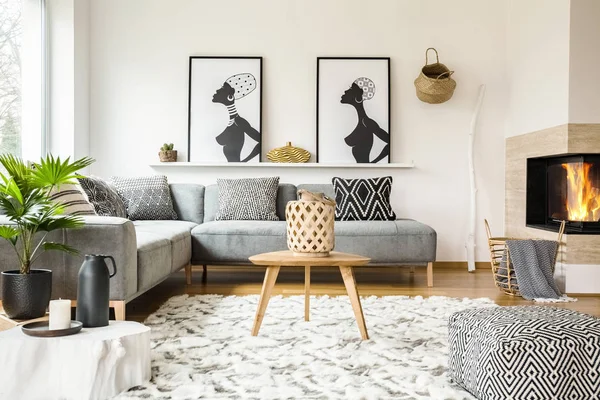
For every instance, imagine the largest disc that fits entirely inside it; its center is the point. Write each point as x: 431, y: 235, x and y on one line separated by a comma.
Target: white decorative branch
x: 470, y: 245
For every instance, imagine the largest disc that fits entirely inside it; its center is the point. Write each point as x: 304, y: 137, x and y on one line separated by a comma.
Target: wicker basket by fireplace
x: 310, y: 225
x: 502, y: 269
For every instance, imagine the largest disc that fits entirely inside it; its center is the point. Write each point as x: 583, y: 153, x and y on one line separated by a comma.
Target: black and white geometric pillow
x: 146, y: 197
x: 104, y: 198
x: 363, y: 199
x: 252, y: 199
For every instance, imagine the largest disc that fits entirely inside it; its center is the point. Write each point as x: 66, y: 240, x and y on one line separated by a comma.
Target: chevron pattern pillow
x: 146, y: 197
x: 251, y: 199
x: 363, y: 199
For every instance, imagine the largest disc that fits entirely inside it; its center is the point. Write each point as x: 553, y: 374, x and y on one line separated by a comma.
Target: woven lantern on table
x: 310, y: 225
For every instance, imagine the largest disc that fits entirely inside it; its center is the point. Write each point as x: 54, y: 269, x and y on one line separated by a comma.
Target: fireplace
x: 567, y: 188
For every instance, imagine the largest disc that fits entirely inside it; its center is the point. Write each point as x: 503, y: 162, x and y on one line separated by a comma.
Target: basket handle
x: 436, y: 55
x: 561, y: 230
x: 487, y: 229
x: 444, y: 73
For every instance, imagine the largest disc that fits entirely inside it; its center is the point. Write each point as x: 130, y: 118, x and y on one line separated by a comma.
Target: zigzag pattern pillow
x: 251, y: 199
x: 363, y: 199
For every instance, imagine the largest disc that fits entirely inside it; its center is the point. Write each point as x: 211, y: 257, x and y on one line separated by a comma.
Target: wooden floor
x: 241, y: 281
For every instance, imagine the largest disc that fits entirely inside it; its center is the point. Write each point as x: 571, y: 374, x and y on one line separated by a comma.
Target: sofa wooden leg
x: 430, y: 274
x: 188, y: 274
x: 204, y: 273
x: 412, y: 270
x: 119, y: 307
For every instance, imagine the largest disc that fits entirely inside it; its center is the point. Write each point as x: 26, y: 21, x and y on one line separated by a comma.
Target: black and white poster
x: 353, y: 110
x: 225, y: 109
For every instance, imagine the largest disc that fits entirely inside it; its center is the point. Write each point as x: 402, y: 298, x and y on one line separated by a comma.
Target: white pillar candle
x: 60, y: 314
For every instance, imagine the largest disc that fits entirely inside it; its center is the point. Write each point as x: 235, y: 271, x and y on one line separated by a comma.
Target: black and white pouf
x: 525, y: 352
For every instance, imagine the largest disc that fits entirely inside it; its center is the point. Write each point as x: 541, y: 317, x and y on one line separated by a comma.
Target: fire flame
x: 583, y: 200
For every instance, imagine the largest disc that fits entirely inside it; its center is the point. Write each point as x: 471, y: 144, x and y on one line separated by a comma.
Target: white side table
x: 95, y: 364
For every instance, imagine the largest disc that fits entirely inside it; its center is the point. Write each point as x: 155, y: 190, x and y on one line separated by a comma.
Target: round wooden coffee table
x: 275, y: 260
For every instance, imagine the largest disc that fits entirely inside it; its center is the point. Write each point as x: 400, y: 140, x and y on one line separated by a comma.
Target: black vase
x: 93, y: 290
x: 26, y: 296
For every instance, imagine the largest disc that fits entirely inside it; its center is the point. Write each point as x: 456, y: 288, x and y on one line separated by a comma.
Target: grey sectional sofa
x: 148, y: 252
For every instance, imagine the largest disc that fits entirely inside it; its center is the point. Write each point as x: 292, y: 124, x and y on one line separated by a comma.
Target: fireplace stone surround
x: 578, y: 262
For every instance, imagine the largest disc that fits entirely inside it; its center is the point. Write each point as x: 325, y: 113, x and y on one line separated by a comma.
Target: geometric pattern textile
x: 363, y: 199
x: 146, y: 197
x: 250, y: 199
x: 104, y: 198
x: 533, y: 262
x: 525, y: 352
x: 202, y: 349
x: 73, y: 199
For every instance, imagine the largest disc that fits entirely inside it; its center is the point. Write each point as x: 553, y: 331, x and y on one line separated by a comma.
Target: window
x: 21, y: 78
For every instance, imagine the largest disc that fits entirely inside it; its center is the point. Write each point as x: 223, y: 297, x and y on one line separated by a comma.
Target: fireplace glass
x: 564, y: 188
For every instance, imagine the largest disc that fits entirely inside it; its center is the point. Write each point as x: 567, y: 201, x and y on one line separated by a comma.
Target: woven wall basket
x: 310, y: 225
x: 434, y: 84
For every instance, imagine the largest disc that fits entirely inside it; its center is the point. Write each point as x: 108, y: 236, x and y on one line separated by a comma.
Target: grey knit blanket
x: 533, y: 262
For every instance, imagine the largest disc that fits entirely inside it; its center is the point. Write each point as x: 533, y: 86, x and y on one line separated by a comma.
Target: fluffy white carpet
x: 202, y: 348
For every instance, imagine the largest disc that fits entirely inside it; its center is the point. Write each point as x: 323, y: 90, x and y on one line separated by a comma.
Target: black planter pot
x: 26, y: 296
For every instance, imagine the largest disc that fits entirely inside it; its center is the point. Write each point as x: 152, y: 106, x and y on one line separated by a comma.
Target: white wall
x: 139, y: 53
x: 68, y: 70
x: 584, y: 86
x: 538, y: 65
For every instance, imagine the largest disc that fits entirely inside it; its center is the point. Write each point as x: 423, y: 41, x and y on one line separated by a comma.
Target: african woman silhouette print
x: 362, y: 137
x: 238, y: 130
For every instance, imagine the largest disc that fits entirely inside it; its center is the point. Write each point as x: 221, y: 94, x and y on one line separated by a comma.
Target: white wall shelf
x: 278, y: 165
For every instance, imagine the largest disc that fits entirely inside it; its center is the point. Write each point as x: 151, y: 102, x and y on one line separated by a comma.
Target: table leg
x: 350, y: 283
x: 307, y: 293
x: 265, y: 295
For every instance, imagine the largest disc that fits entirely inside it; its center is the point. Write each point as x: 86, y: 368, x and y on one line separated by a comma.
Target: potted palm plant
x: 25, y: 202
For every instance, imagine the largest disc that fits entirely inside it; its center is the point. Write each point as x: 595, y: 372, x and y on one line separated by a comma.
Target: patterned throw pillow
x: 146, y: 197
x: 363, y: 199
x: 73, y: 199
x: 248, y: 199
x: 103, y: 197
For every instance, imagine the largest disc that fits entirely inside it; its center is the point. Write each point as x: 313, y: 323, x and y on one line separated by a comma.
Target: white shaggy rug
x: 202, y: 349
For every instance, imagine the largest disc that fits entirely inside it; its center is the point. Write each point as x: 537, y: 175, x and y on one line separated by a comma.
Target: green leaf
x: 9, y: 233
x: 60, y: 247
x: 52, y: 172
x: 62, y: 222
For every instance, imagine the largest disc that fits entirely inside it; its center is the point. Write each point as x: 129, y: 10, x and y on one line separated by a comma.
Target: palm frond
x: 52, y: 172
x: 62, y: 222
x: 9, y: 233
x: 17, y: 170
x: 60, y: 247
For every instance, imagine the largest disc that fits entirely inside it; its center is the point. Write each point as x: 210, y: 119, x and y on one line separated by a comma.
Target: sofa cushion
x: 154, y: 259
x: 363, y: 199
x: 223, y: 242
x: 177, y: 233
x: 73, y: 199
x: 104, y: 198
x: 188, y: 201
x: 248, y: 199
x: 403, y: 241
x: 146, y: 197
x: 398, y: 242
x: 285, y: 192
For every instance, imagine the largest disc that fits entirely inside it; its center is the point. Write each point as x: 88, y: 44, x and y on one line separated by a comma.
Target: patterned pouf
x: 526, y: 352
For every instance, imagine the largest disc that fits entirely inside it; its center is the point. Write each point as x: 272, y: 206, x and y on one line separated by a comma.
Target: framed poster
x: 225, y: 109
x: 353, y: 110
